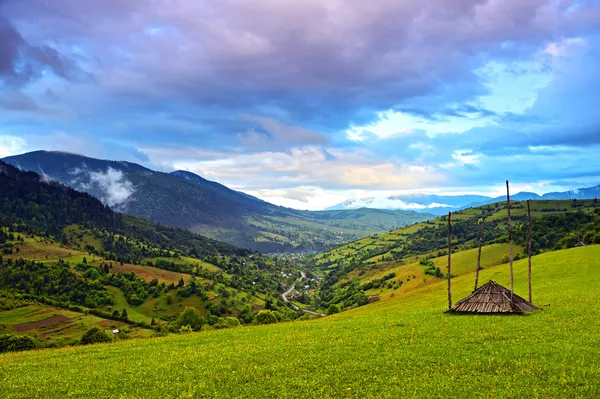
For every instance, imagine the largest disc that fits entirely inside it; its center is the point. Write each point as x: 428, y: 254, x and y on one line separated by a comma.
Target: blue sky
x: 307, y: 103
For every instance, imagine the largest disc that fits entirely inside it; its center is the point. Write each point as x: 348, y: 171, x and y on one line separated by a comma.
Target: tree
x: 190, y: 317
x: 95, y: 335
x: 124, y: 315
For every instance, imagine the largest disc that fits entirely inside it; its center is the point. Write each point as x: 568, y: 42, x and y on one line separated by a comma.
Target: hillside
x: 401, y: 346
x: 65, y: 255
x: 185, y: 200
x: 384, y: 262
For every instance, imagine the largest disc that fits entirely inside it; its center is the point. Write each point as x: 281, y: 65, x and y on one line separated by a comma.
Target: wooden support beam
x: 529, y: 249
x: 479, y: 253
x: 449, y: 260
x: 510, y: 240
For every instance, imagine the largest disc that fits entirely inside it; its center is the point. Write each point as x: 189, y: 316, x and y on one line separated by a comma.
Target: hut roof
x: 492, y: 298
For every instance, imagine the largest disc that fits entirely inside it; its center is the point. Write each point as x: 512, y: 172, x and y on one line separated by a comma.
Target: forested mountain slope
x: 183, y: 199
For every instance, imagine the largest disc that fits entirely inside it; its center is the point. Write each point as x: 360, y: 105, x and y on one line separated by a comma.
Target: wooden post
x: 449, y: 260
x: 529, y: 251
x: 510, y: 241
x: 479, y: 254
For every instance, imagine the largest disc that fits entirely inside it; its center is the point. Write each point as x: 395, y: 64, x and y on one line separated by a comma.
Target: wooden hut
x: 493, y: 298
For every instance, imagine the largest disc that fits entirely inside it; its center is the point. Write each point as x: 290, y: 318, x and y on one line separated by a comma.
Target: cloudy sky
x: 309, y: 102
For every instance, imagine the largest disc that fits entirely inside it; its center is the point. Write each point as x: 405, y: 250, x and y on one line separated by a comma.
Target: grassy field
x: 401, y: 346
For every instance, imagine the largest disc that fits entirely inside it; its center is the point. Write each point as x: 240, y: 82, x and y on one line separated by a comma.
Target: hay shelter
x: 492, y: 298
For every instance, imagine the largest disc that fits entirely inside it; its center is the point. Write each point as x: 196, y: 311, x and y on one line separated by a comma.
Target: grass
x: 401, y: 346
x: 133, y: 312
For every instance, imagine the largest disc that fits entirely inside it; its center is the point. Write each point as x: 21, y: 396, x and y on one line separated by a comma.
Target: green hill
x: 401, y: 346
x: 383, y: 262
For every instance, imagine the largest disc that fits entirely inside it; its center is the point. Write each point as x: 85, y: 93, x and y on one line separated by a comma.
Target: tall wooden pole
x: 529, y: 250
x: 510, y: 240
x: 479, y: 254
x: 449, y: 260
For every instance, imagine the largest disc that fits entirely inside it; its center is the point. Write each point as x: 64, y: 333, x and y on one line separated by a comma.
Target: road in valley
x: 288, y: 292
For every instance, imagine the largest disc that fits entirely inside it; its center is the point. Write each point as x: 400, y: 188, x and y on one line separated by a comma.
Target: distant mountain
x: 441, y: 204
x: 429, y: 203
x: 186, y: 200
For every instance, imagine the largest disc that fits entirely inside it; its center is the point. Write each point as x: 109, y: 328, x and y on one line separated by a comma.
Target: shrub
x: 332, y: 309
x: 190, y: 317
x: 15, y: 343
x: 95, y: 335
x: 267, y: 317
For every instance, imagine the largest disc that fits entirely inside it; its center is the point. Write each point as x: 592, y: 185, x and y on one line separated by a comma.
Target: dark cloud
x: 324, y: 64
x: 21, y: 62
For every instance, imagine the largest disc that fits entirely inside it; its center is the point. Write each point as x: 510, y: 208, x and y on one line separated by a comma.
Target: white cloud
x: 466, y: 157
x: 116, y: 189
x: 311, y: 166
x: 562, y: 47
x: 11, y: 145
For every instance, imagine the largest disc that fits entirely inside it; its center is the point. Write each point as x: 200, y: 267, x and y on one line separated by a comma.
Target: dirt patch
x: 110, y: 323
x: 148, y: 273
x: 41, y: 323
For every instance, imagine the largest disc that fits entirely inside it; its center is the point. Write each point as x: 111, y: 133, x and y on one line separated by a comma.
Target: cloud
x: 117, y: 191
x: 277, y: 135
x: 21, y: 62
x: 312, y: 166
x: 11, y: 145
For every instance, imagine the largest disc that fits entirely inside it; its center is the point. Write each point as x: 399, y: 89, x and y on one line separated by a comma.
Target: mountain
x: 186, y: 200
x: 442, y: 204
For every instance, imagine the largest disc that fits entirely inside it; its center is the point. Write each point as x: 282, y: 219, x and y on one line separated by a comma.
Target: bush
x: 332, y: 309
x: 15, y: 343
x: 95, y: 335
x: 267, y: 317
x: 228, y: 322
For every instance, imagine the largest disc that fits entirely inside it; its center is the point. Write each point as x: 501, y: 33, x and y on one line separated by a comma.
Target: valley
x: 370, y: 312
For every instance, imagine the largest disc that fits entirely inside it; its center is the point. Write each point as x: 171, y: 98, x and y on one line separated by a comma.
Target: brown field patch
x: 41, y: 323
x: 149, y: 273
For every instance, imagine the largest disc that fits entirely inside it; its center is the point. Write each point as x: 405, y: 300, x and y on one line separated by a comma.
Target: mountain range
x: 186, y: 200
x: 441, y: 204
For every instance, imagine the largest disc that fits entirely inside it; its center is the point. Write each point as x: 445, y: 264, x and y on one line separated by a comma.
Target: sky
x: 307, y: 103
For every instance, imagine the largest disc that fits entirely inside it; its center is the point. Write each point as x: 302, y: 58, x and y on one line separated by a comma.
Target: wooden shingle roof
x: 492, y: 298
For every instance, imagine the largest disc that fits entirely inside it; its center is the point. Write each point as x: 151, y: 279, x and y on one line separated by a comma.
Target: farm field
x: 402, y: 346
x: 58, y: 326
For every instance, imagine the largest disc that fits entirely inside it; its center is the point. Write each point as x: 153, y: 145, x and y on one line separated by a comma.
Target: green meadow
x: 402, y: 346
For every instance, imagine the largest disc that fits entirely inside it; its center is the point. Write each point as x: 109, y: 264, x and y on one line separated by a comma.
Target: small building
x: 115, y: 332
x: 493, y: 298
